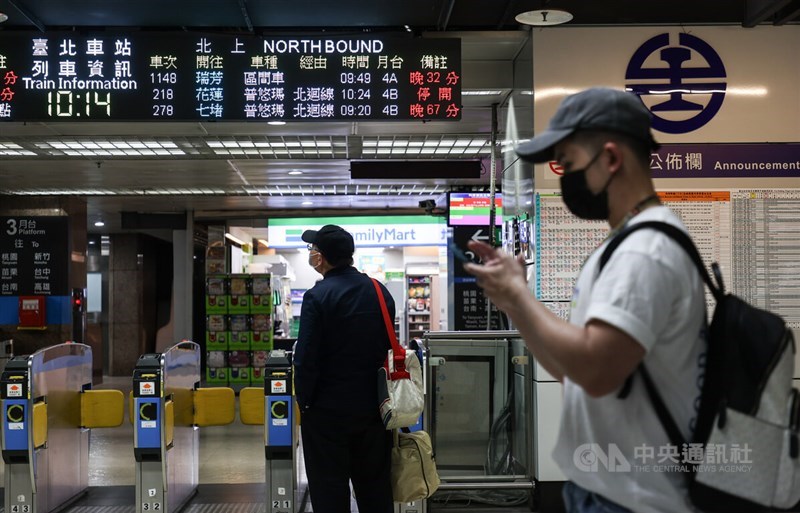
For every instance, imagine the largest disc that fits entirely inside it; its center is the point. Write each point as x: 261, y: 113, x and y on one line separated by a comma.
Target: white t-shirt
x: 650, y: 290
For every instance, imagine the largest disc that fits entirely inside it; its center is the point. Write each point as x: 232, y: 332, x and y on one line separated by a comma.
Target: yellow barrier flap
x: 214, y: 406
x: 39, y: 424
x: 130, y: 407
x: 251, y: 405
x: 102, y: 408
x: 169, y: 422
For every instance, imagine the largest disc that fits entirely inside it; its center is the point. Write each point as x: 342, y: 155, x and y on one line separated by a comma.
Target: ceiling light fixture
x: 276, y: 123
x: 295, y: 172
x: 99, y: 223
x: 306, y: 203
x: 544, y: 17
x: 3, y: 17
x: 481, y: 92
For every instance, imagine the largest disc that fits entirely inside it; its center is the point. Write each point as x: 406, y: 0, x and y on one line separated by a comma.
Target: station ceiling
x: 238, y: 169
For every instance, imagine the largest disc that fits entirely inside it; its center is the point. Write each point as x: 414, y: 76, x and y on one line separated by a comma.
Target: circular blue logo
x: 678, y: 82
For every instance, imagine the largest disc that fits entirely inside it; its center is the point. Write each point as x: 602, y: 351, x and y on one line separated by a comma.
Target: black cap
x: 598, y: 108
x: 334, y: 242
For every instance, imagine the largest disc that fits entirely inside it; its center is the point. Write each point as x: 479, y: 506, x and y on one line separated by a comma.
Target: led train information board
x: 473, y: 208
x: 183, y: 77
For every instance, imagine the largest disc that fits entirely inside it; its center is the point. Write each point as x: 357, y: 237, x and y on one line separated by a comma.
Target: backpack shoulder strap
x: 675, y: 234
x: 667, y: 421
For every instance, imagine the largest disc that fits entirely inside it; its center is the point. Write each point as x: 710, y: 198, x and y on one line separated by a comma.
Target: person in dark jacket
x: 341, y: 344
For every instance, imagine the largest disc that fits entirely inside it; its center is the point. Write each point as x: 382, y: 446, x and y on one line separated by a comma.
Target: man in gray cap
x: 645, y: 307
x: 341, y: 344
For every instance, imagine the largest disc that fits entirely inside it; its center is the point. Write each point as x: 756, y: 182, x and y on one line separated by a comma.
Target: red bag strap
x: 397, y: 350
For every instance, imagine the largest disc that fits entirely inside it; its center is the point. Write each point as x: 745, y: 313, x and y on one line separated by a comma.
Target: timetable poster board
x: 193, y: 77
x: 765, y: 243
x: 754, y: 235
x: 34, y: 256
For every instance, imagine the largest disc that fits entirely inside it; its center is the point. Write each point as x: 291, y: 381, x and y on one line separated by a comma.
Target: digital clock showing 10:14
x: 69, y: 103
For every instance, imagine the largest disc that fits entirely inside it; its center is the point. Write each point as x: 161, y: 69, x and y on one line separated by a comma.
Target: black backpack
x: 747, y: 402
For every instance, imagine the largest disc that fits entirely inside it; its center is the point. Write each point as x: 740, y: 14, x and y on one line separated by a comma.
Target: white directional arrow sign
x: 478, y: 235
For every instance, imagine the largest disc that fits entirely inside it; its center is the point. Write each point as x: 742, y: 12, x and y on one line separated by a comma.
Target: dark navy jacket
x: 342, y: 343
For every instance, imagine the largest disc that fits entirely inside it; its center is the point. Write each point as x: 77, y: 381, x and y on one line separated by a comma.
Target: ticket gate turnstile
x: 167, y: 408
x: 280, y: 433
x: 49, y: 408
x: 273, y: 406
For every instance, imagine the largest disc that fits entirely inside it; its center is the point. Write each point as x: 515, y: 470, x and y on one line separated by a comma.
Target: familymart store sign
x: 367, y: 231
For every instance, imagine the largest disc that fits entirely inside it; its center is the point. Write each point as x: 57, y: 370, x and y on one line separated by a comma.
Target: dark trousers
x: 339, y: 448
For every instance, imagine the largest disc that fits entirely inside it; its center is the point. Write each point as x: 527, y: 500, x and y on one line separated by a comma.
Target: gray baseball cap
x: 598, y: 108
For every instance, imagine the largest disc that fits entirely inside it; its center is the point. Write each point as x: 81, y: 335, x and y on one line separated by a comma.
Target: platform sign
x: 195, y: 77
x: 34, y: 255
x: 469, y: 301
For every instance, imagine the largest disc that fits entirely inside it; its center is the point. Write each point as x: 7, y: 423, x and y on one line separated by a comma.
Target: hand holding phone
x: 463, y: 257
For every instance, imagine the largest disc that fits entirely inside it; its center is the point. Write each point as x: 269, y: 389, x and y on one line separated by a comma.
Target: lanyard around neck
x: 646, y: 203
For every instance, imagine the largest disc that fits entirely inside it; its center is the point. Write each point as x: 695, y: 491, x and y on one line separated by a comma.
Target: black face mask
x: 579, y: 199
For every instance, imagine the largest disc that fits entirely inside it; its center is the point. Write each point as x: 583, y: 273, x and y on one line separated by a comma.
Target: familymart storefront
x: 407, y: 253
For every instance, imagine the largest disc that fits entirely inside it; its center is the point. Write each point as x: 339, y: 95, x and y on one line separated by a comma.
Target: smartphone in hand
x: 463, y: 257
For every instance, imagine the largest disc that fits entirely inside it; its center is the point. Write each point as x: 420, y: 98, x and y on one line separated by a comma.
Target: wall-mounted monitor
x: 472, y: 208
